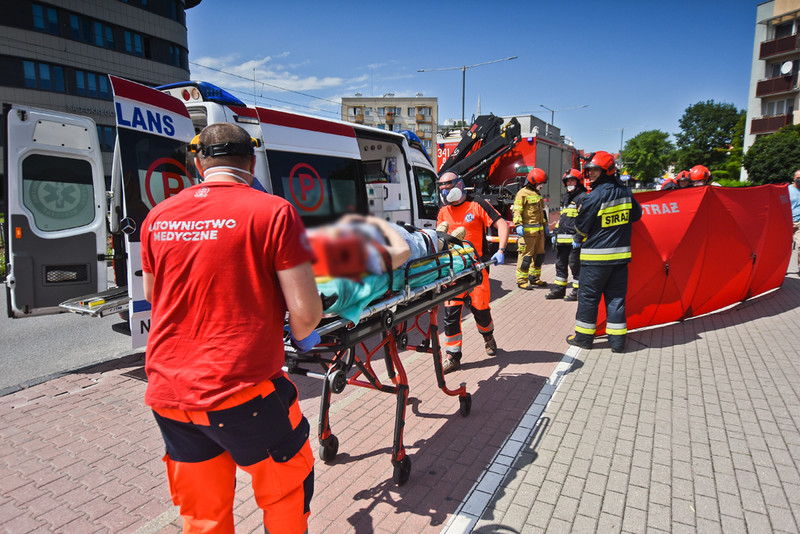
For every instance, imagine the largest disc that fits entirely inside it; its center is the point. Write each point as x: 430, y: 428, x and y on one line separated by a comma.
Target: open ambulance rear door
x: 55, y: 210
x: 153, y: 130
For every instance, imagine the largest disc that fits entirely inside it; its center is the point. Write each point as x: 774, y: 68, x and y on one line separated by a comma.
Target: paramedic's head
x: 797, y: 178
x: 223, y: 144
x: 451, y: 189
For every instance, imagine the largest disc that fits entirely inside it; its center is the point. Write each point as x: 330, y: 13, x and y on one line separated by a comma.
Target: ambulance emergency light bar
x: 191, y: 92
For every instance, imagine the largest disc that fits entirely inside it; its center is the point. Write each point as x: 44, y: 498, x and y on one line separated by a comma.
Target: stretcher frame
x: 344, y: 347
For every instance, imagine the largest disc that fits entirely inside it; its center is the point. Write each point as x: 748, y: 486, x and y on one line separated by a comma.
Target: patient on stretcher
x: 354, y: 257
x: 358, y: 245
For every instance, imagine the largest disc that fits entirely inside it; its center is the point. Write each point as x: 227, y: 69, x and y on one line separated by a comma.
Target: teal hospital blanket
x: 354, y: 296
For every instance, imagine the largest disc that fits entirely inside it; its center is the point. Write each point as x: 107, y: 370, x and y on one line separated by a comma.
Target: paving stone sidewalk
x: 694, y: 429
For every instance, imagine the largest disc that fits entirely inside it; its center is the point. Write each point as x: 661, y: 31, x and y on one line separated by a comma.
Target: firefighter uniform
x: 567, y: 257
x: 604, y: 223
x: 530, y: 214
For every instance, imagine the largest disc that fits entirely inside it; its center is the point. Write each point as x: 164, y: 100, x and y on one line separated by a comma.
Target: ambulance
x: 64, y: 227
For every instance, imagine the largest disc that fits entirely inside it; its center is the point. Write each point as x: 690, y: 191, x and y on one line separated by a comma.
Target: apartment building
x: 57, y: 54
x: 418, y: 114
x: 773, y: 96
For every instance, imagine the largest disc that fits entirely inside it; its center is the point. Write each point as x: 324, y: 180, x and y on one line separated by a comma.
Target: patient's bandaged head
x: 338, y: 256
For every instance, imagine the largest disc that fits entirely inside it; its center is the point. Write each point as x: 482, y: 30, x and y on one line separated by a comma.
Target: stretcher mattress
x: 353, y: 296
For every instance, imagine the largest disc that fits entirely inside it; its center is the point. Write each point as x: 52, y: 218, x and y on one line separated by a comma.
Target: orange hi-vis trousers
x: 260, y: 430
x: 479, y: 305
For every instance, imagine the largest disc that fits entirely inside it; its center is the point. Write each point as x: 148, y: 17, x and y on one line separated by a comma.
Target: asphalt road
x: 35, y: 349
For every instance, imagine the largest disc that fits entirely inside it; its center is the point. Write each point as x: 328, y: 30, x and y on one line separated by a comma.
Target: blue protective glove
x: 305, y: 344
x: 499, y: 257
x: 576, y: 243
x: 553, y: 239
x: 520, y: 230
x: 546, y: 232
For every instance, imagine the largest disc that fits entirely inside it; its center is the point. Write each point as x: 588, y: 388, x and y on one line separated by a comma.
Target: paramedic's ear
x: 198, y: 164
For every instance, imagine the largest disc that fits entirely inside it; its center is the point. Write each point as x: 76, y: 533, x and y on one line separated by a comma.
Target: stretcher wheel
x: 387, y: 319
x: 338, y: 381
x: 328, y: 448
x: 402, y: 470
x: 465, y: 404
x: 402, y: 341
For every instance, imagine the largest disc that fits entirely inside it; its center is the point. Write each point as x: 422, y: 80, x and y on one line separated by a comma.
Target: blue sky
x: 635, y: 65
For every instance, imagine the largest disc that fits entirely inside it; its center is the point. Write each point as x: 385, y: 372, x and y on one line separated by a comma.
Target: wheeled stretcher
x: 348, y: 347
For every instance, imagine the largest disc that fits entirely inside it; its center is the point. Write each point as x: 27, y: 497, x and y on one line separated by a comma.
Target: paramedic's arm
x: 502, y: 232
x: 300, y: 293
x: 147, y: 282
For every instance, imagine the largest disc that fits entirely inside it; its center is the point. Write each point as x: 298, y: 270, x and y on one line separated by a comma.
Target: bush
x: 730, y: 182
x: 774, y: 158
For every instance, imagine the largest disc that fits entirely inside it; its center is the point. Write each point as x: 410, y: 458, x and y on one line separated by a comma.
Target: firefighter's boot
x: 573, y: 295
x: 535, y: 282
x: 557, y: 292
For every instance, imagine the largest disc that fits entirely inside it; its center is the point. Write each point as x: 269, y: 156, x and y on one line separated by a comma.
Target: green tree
x: 774, y: 158
x: 648, y: 154
x: 707, y: 132
x: 731, y: 169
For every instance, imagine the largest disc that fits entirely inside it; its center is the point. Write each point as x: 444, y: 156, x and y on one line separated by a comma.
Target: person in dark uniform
x: 567, y: 256
x: 603, y: 233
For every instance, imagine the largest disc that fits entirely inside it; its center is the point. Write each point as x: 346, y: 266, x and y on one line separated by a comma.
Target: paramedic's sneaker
x: 490, y: 344
x: 459, y: 233
x: 584, y: 344
x: 451, y: 363
x: 444, y: 226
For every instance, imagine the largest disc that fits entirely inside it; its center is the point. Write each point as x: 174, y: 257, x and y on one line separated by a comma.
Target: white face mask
x: 454, y: 195
x: 570, y: 188
x: 212, y: 172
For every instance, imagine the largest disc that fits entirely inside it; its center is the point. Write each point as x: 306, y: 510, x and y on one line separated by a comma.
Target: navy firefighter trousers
x: 611, y: 282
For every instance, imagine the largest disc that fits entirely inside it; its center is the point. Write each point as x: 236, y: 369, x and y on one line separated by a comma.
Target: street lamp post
x: 464, y: 77
x: 553, y: 111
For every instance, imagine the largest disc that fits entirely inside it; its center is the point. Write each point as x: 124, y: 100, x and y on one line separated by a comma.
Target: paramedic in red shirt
x: 476, y: 216
x: 222, y: 263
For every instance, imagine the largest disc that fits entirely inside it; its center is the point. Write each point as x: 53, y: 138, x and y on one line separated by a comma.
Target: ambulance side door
x: 55, y: 230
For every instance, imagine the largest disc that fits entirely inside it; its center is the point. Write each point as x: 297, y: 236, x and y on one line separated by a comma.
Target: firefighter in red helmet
x: 700, y: 175
x: 530, y: 222
x: 603, y: 231
x: 567, y: 257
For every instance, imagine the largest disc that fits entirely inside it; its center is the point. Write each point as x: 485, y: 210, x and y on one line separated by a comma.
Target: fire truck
x: 495, y: 154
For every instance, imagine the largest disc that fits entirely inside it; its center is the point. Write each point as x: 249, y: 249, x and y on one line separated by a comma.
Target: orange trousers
x: 260, y: 430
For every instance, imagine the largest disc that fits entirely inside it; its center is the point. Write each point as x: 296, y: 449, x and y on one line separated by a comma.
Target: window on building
x: 368, y: 112
x: 134, y: 43
x: 45, y: 19
x: 771, y: 108
x: 784, y: 30
x: 43, y: 76
x: 106, y: 135
x: 412, y: 112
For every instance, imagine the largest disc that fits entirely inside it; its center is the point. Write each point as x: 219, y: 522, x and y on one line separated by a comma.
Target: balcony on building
x: 776, y: 86
x: 389, y: 117
x: 772, y: 124
x: 777, y: 47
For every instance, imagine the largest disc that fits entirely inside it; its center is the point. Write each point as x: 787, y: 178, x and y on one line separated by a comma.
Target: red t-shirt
x: 475, y: 215
x: 218, y: 312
